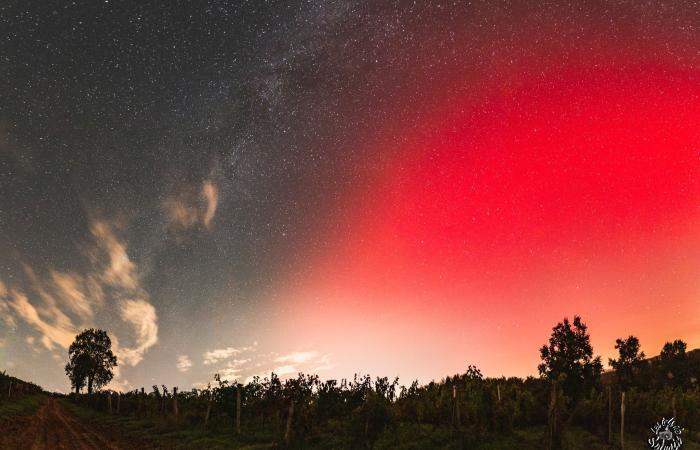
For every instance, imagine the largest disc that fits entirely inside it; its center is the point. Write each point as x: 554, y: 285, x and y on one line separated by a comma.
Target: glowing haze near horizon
x: 338, y: 187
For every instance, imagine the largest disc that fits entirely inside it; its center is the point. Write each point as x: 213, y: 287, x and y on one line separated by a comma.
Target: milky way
x: 387, y: 187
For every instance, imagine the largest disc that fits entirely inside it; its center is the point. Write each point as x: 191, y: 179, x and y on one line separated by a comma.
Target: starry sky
x: 393, y: 187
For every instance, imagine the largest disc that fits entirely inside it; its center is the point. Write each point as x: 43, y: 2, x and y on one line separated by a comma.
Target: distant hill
x: 608, y: 377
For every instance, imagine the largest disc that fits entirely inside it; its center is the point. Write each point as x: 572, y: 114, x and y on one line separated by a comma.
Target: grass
x: 167, y: 433
x: 25, y: 406
x: 404, y: 436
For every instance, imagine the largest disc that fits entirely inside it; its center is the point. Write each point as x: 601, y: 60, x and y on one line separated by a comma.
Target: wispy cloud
x: 53, y: 335
x: 142, y: 316
x: 191, y: 206
x: 184, y: 363
x: 180, y: 213
x: 297, y: 357
x: 233, y: 369
x: 214, y: 356
x: 71, y: 289
x: 5, y: 312
x: 121, y: 274
x: 120, y: 271
x: 285, y: 370
x: 66, y: 302
x: 263, y: 365
x: 211, y: 195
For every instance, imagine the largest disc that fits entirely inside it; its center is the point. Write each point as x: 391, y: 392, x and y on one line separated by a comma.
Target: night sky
x: 393, y: 187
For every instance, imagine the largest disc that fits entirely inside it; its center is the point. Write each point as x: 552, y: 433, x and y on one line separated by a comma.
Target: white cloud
x: 211, y: 195
x: 82, y: 295
x: 184, y: 363
x: 285, y: 370
x: 180, y: 213
x: 214, y: 356
x: 282, y: 365
x: 191, y: 205
x: 70, y: 289
x: 142, y: 315
x: 120, y: 272
x: 5, y: 313
x: 324, y: 364
x: 54, y: 334
x: 297, y: 357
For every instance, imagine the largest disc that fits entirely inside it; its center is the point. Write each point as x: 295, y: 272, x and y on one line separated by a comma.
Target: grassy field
x: 168, y: 434
x: 26, y: 406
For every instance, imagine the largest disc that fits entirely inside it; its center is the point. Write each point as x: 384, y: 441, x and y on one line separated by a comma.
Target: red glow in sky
x: 576, y: 191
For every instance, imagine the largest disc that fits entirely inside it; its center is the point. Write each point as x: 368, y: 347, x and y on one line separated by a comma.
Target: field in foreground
x: 39, y: 421
x: 158, y: 433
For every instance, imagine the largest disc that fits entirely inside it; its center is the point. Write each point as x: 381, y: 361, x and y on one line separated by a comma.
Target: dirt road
x: 55, y: 428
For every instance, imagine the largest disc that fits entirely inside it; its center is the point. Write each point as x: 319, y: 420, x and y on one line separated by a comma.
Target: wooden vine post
x: 288, y: 431
x: 553, y: 429
x: 175, y: 402
x: 142, y: 400
x: 211, y: 399
x: 119, y: 401
x: 456, y: 419
x: 673, y: 405
x: 609, y: 389
x: 109, y: 402
x: 238, y: 409
x: 622, y: 421
x: 9, y: 392
x: 455, y: 397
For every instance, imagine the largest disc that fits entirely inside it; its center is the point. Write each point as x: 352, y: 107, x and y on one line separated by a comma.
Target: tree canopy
x: 569, y: 358
x: 629, y: 362
x: 90, y: 360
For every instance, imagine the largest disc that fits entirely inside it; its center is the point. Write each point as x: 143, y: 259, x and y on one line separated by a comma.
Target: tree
x: 629, y: 362
x: 90, y: 360
x: 569, y: 358
x: 674, y: 364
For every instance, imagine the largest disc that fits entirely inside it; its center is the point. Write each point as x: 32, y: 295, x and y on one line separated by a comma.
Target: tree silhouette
x: 569, y: 358
x: 675, y: 366
x: 629, y: 362
x: 90, y: 360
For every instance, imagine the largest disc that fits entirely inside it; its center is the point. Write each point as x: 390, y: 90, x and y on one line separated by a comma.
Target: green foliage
x: 464, y: 410
x: 569, y: 358
x: 90, y: 360
x: 630, y: 361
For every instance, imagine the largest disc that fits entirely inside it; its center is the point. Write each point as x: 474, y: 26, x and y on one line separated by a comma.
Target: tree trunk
x: 288, y: 431
x: 553, y: 425
x: 238, y: 410
x: 673, y: 405
x: 622, y: 421
x: 211, y: 398
x: 119, y: 401
x: 109, y: 403
x: 457, y: 419
x: 175, y: 401
x: 456, y: 397
x: 609, y: 415
x: 90, y: 385
x: 139, y: 411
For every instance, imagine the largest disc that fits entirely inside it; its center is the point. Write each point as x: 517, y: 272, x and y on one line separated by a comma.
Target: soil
x: 52, y: 427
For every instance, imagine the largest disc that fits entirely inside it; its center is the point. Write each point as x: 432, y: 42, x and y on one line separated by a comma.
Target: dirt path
x: 60, y: 430
x: 55, y: 428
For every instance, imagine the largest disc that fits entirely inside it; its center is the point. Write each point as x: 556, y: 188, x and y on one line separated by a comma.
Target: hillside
x: 608, y: 377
